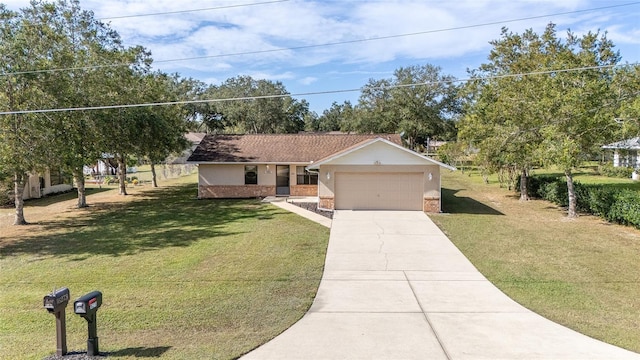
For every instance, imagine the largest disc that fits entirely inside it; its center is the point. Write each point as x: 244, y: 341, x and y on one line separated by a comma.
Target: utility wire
x: 303, y: 47
x: 274, y: 96
x: 191, y: 10
x: 393, y: 36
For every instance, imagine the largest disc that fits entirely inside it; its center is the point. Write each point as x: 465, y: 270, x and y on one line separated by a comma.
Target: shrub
x: 625, y: 208
x: 534, y: 183
x: 613, y: 204
x: 5, y: 195
x: 555, y: 191
x: 599, y: 200
x: 611, y: 171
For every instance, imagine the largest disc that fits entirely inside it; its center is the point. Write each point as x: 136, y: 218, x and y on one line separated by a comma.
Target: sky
x: 329, y: 49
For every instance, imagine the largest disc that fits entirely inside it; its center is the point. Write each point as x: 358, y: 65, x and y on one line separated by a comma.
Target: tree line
x: 58, y: 56
x: 418, y: 102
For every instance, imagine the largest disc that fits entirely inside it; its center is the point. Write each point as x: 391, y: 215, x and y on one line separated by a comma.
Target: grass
x: 181, y: 278
x: 581, y: 273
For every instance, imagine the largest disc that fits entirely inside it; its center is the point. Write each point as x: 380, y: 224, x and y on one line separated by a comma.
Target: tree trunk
x: 572, y: 213
x: 78, y: 177
x: 524, y: 185
x: 19, y: 180
x: 122, y: 175
x: 154, y: 182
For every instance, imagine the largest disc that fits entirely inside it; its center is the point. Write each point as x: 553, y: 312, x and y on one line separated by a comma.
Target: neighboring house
x: 194, y: 139
x: 345, y: 171
x: 50, y: 182
x: 107, y: 166
x: 625, y: 153
x: 432, y: 146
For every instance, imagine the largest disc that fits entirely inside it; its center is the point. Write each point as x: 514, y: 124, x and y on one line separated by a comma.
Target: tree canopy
x: 258, y: 107
x: 58, y: 56
x: 418, y: 102
x: 543, y: 100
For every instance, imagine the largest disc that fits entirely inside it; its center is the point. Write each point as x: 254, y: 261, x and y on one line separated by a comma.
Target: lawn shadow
x: 453, y: 204
x: 161, y: 218
x: 55, y: 198
x: 140, y: 352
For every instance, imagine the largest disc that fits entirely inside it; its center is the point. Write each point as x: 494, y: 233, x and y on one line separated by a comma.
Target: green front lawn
x: 181, y: 278
x: 582, y: 273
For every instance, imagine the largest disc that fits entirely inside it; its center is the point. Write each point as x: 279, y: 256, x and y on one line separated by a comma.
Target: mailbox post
x: 56, y: 303
x: 87, y: 306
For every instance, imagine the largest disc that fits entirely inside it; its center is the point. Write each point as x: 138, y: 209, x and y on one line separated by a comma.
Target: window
x: 58, y: 177
x: 305, y: 177
x: 251, y: 175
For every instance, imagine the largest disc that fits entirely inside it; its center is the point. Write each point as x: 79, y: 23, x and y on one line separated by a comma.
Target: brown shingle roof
x: 269, y: 148
x: 194, y: 137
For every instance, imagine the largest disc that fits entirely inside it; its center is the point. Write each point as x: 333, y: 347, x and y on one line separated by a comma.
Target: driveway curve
x: 395, y: 287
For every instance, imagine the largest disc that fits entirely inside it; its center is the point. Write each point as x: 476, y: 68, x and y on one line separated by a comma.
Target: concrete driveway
x: 395, y: 287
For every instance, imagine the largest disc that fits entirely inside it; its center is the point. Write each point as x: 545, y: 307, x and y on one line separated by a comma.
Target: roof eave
x: 251, y: 162
x: 366, y: 143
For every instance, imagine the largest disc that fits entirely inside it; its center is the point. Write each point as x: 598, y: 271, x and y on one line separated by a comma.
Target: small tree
x: 504, y: 115
x: 162, y: 128
x: 581, y: 103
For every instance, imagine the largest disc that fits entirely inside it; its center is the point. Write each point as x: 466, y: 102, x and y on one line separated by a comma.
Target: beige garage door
x: 379, y: 191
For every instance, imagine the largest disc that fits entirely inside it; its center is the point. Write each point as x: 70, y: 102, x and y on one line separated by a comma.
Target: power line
x: 393, y: 36
x: 126, y: 106
x: 191, y: 10
x: 303, y: 47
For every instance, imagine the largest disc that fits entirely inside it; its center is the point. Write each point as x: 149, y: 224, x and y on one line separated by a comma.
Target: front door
x: 282, y: 179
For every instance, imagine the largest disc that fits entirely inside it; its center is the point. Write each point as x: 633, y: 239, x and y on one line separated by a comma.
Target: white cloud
x: 308, y: 80
x: 295, y: 24
x: 287, y: 75
x: 450, y: 34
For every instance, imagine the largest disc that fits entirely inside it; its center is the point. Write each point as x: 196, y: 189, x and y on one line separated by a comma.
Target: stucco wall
x: 227, y: 181
x: 233, y: 174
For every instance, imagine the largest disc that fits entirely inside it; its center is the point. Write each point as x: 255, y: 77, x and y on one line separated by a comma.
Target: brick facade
x: 235, y: 191
x: 304, y: 190
x: 326, y: 202
x: 431, y: 205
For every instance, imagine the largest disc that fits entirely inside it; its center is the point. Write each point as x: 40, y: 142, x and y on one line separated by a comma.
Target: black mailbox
x: 56, y: 303
x: 57, y: 300
x: 87, y: 306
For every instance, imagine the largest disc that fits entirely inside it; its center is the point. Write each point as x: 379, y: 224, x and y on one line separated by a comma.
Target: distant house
x: 625, y: 153
x: 344, y: 171
x: 47, y: 183
x: 106, y: 166
x: 432, y: 146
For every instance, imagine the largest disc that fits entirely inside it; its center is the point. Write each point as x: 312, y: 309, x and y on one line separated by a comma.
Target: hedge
x: 617, y: 171
x: 616, y: 205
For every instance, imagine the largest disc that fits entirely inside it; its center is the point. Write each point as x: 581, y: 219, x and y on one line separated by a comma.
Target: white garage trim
x: 379, y: 190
